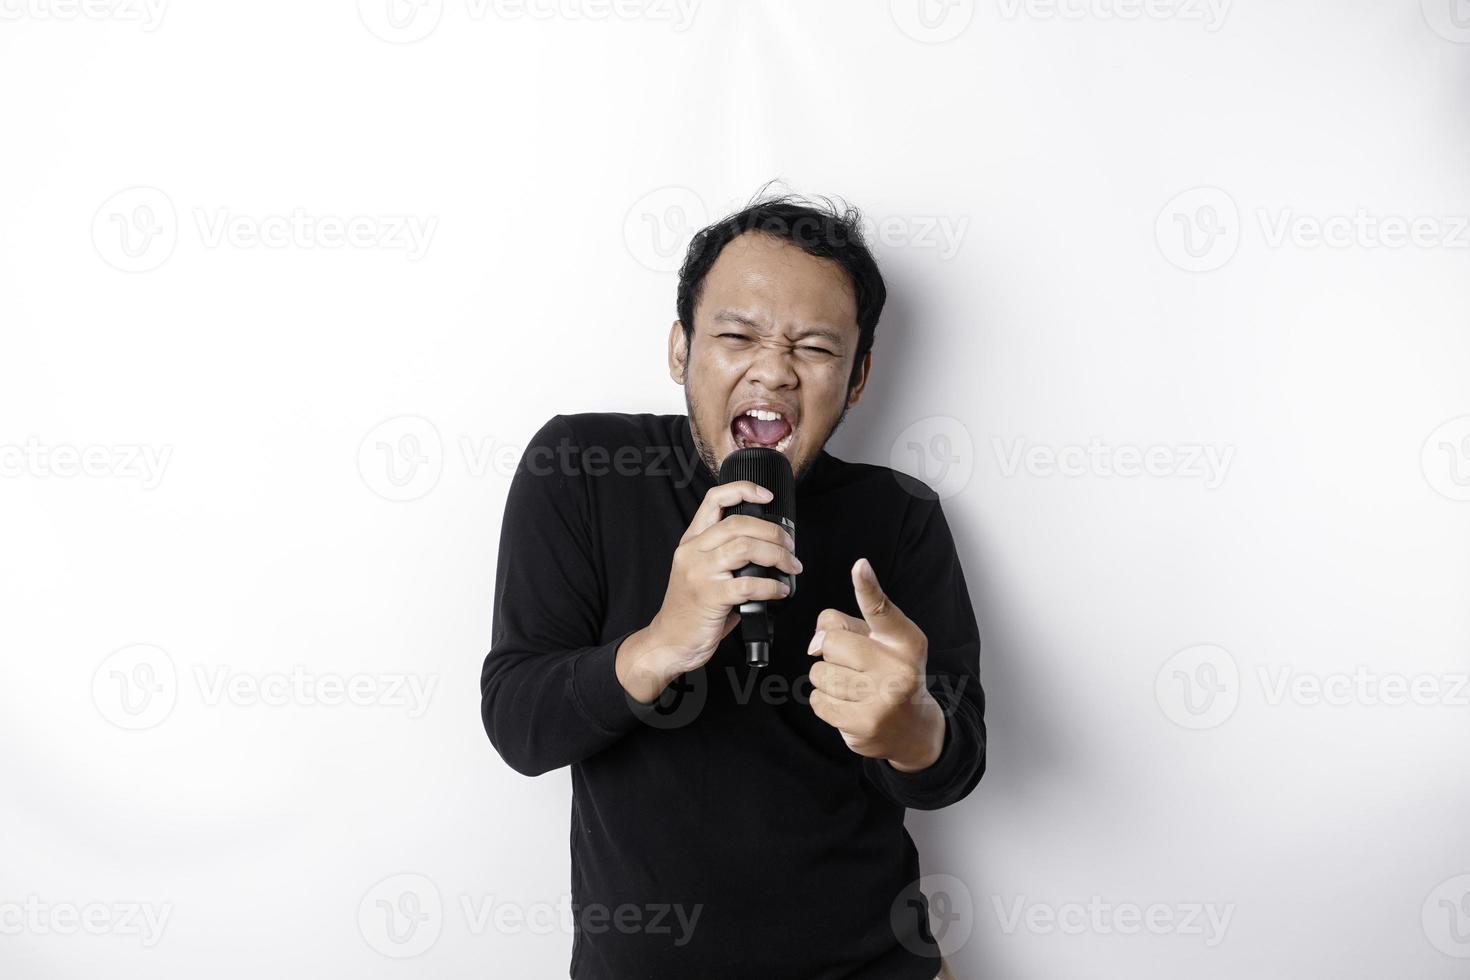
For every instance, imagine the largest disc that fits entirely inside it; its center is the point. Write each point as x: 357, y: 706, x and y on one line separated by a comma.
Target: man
x: 755, y: 827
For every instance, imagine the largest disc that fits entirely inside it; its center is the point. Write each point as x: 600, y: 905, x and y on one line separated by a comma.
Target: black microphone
x: 771, y: 469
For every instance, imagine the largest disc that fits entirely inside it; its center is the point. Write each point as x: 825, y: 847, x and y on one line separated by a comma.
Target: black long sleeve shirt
x: 725, y: 831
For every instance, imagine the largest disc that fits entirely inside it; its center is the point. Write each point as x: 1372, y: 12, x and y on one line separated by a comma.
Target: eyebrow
x: 732, y: 316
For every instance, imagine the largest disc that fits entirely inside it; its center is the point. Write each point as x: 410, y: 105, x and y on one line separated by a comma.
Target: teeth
x: 763, y: 415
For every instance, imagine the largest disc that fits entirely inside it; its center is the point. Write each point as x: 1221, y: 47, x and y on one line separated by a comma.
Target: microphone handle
x: 757, y: 625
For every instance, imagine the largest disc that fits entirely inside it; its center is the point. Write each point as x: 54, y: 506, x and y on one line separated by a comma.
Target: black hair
x: 819, y: 228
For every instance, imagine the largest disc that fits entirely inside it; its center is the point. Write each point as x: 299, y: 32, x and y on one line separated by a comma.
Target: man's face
x: 775, y: 329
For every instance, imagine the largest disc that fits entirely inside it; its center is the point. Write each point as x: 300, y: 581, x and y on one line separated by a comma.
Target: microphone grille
x: 769, y: 468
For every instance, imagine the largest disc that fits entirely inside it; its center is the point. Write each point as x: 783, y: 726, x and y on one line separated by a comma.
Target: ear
x: 678, y: 353
x: 857, y: 389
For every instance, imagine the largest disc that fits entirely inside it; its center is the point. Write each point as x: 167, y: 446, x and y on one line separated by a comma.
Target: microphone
x: 771, y: 469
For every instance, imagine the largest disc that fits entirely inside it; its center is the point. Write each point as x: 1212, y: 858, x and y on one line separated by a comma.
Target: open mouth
x: 757, y: 427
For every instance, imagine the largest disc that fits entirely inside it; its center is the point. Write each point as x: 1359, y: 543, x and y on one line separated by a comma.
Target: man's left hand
x: 869, y: 683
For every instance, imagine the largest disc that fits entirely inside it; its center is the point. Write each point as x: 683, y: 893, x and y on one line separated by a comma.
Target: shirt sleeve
x: 928, y: 584
x: 549, y: 692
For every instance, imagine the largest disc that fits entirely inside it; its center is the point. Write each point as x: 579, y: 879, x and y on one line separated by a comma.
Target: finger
x: 840, y: 714
x: 744, y: 526
x: 846, y: 649
x: 752, y: 588
x: 731, y: 621
x: 739, y: 552
x: 719, y: 497
x: 842, y: 683
x: 881, y: 615
x: 836, y: 619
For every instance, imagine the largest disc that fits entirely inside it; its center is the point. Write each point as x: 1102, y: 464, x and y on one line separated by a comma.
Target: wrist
x: 929, y: 742
x: 642, y: 665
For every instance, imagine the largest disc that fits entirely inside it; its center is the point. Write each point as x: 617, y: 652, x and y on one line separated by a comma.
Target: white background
x: 1097, y: 225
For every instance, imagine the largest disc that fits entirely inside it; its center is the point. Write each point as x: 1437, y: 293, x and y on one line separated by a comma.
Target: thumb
x: 878, y: 612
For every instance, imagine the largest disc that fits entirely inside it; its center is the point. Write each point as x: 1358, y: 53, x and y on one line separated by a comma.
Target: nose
x: 772, y: 364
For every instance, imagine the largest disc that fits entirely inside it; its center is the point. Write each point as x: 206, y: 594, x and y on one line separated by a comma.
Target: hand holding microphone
x: 701, y: 603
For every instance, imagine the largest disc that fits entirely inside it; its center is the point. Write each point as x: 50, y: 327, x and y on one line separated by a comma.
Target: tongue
x: 758, y: 432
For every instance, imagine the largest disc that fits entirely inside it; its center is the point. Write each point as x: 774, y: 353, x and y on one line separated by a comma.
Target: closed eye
x: 805, y: 347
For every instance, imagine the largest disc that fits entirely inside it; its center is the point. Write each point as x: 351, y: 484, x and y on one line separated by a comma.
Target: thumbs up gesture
x: 869, y: 683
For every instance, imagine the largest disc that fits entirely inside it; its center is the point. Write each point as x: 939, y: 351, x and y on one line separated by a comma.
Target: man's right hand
x: 702, y: 601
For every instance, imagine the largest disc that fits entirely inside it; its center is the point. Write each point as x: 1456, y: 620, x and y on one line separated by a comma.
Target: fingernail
x: 816, y: 643
x: 797, y: 561
x: 865, y: 569
x: 766, y: 494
